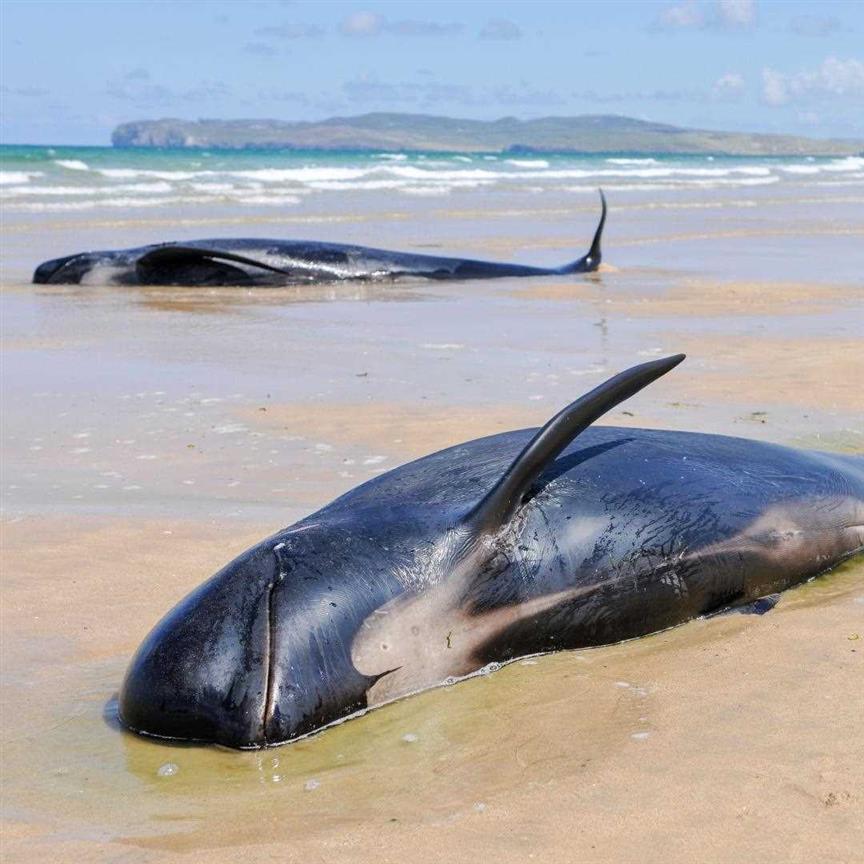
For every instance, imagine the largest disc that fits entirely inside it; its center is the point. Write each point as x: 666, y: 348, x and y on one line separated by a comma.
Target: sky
x: 71, y: 71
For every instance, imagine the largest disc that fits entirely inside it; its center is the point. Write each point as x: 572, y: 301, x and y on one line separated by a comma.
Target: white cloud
x: 835, y: 77
x: 413, y: 27
x: 729, y: 86
x: 372, y: 24
x: 136, y: 88
x: 815, y: 25
x: 683, y: 15
x: 736, y: 13
x: 362, y: 24
x: 720, y: 15
x: 501, y: 28
x: 841, y: 77
x: 774, y: 90
x: 262, y: 49
x: 289, y: 30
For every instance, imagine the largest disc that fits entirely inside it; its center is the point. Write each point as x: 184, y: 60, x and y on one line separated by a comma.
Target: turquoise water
x: 57, y: 179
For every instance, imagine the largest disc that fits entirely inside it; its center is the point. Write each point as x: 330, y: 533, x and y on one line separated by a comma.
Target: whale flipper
x: 756, y: 607
x: 165, y: 264
x: 502, y: 501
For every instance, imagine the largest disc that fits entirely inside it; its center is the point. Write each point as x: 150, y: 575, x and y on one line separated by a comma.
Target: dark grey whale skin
x: 644, y: 529
x: 240, y: 261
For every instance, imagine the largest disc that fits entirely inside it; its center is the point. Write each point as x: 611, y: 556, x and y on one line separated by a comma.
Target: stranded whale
x: 519, y: 543
x: 281, y: 262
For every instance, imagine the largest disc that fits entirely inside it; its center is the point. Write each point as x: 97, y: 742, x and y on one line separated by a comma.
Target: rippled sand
x: 150, y: 435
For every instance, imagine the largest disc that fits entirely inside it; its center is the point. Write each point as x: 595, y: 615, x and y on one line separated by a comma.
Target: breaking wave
x: 40, y: 181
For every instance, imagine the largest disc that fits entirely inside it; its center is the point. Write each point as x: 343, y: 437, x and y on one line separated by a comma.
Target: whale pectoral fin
x: 499, y: 505
x: 184, y: 265
x: 760, y: 606
x: 756, y: 607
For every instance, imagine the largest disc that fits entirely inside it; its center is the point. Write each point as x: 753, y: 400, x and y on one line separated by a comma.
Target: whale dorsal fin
x: 499, y: 505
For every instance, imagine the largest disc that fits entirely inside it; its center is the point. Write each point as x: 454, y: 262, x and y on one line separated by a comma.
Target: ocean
x: 62, y: 179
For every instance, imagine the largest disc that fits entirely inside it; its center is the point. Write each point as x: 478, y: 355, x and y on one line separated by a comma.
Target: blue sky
x: 70, y: 71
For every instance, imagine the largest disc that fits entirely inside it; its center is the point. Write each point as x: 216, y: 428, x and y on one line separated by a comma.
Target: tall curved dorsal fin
x: 506, y: 495
x: 594, y: 252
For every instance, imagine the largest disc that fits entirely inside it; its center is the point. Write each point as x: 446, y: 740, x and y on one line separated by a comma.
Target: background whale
x: 238, y: 261
x: 519, y: 543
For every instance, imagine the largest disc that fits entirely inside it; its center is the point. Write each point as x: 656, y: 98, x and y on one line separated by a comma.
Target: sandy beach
x: 150, y: 434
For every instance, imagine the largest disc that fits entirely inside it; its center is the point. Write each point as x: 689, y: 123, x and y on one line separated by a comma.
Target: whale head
x: 98, y: 268
x: 160, y: 264
x: 69, y: 270
x: 260, y: 653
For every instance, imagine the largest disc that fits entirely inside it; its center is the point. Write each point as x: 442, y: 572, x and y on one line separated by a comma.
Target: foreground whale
x: 524, y: 542
x: 281, y: 262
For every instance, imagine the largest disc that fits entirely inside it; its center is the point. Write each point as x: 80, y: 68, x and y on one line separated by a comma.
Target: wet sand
x: 151, y: 434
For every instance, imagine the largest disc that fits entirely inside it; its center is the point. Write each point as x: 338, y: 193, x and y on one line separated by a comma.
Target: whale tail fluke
x: 591, y: 261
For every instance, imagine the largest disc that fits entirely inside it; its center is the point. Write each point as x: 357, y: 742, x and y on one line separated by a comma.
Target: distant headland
x: 421, y: 132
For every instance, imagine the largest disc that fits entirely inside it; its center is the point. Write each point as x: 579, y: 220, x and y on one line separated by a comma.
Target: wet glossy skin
x: 231, y: 261
x: 386, y: 591
x: 274, y: 262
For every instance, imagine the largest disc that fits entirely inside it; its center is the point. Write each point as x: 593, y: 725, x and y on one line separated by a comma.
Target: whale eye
x: 415, y: 630
x: 385, y: 646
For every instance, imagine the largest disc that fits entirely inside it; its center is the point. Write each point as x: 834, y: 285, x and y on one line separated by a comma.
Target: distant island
x: 421, y: 132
